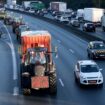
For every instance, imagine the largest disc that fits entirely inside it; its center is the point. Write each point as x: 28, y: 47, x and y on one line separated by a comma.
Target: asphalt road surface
x: 70, y: 50
x: 99, y: 32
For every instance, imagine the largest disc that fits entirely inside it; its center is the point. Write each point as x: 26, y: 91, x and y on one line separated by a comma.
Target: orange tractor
x: 37, y: 67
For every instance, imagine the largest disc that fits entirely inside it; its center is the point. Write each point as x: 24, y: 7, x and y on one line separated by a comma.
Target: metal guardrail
x: 74, y: 30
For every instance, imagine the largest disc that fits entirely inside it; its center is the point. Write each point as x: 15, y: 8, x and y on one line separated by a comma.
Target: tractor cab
x: 37, y: 57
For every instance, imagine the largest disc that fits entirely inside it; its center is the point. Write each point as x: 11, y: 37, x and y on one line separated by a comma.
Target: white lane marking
x: 16, y: 91
x: 15, y: 76
x: 71, y: 50
x: 60, y: 80
x: 59, y: 41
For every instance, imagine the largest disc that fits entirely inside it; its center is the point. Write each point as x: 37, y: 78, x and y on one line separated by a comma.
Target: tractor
x: 38, y: 71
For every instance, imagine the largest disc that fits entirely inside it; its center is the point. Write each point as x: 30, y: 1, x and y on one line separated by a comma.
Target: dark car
x: 21, y: 29
x: 96, y: 49
x: 40, y: 13
x: 89, y: 27
x: 57, y: 17
x: 16, y: 23
x: 8, y: 20
x: 55, y: 13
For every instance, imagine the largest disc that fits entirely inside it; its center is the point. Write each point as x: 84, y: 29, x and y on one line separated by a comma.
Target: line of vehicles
x: 38, y: 70
x: 88, y: 18
x: 37, y: 67
x: 87, y: 72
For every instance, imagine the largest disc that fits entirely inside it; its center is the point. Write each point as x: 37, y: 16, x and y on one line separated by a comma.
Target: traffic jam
x: 37, y: 55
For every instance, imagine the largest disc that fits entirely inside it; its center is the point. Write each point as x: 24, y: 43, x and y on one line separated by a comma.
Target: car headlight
x: 100, y: 76
x: 83, y: 77
x: 92, y: 51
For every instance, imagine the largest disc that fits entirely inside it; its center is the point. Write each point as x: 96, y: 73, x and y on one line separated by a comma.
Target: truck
x: 38, y: 71
x: 34, y: 5
x: 93, y: 15
x: 26, y: 5
x: 37, y: 5
x: 103, y: 22
x: 58, y: 6
x: 80, y: 15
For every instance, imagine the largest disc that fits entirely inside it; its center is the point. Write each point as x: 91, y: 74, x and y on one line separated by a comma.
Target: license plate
x: 92, y: 82
x: 40, y: 82
x: 102, y: 55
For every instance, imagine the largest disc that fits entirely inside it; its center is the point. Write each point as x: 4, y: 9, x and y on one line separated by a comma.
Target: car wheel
x: 101, y: 85
x: 91, y: 56
x: 81, y: 85
x: 76, y: 80
x: 79, y: 25
x: 103, y: 29
x: 94, y: 30
x: 85, y: 29
x: 88, y: 55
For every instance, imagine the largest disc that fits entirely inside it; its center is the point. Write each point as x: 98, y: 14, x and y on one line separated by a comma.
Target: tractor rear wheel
x: 53, y: 84
x: 13, y: 30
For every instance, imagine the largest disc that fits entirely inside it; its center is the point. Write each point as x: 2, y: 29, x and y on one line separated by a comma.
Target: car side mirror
x: 77, y: 70
x: 56, y: 51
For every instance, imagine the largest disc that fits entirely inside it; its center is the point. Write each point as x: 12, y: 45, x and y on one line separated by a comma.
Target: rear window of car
x: 76, y: 20
x: 90, y: 25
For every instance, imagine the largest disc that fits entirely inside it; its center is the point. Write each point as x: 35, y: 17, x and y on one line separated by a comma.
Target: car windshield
x: 99, y: 46
x: 90, y: 24
x: 89, y: 68
x: 76, y: 21
x: 64, y: 17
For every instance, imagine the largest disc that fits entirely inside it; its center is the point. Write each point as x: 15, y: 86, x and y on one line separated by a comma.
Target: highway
x: 70, y: 49
x: 8, y: 61
x: 99, y: 32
